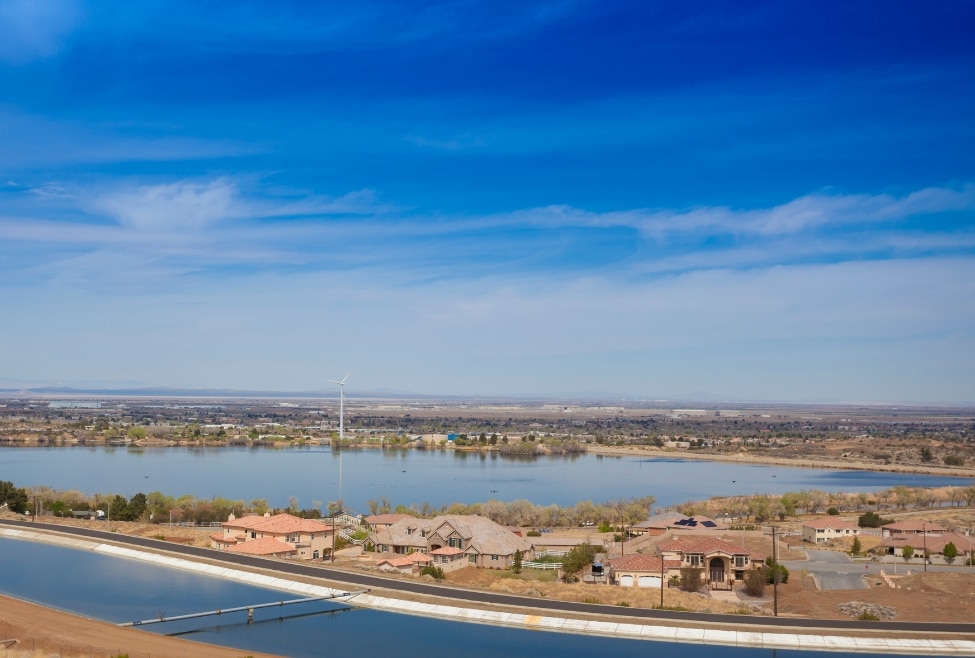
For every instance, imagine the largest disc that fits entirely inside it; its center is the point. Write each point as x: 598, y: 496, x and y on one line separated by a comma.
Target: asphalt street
x: 536, y: 605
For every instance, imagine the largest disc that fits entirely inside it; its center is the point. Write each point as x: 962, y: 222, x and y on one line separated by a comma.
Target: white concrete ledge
x: 629, y: 629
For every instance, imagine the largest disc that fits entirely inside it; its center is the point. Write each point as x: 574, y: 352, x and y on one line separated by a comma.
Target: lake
x: 414, y: 476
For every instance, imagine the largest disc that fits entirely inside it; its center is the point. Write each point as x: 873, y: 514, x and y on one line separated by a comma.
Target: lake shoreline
x: 653, y: 452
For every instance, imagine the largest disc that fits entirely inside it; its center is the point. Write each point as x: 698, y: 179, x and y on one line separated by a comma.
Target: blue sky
x: 711, y: 200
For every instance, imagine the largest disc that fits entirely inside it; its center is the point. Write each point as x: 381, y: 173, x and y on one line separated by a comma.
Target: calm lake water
x: 412, y: 476
x: 119, y: 590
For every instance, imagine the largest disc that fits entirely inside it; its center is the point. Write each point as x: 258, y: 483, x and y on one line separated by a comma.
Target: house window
x: 494, y: 558
x: 472, y: 558
x: 455, y: 542
x: 694, y: 560
x: 739, y: 561
x: 423, y: 533
x: 253, y: 535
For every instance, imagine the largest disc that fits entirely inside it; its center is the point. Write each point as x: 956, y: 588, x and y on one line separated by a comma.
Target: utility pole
x: 662, y: 584
x: 924, y: 540
x: 775, y: 575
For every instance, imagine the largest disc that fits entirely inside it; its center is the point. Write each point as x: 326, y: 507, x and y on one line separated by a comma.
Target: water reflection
x: 408, y: 477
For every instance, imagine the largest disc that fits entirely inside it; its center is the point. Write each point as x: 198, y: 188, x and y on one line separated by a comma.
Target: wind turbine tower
x: 341, y: 403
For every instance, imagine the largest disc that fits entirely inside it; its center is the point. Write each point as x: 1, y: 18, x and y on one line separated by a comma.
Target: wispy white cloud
x: 36, y: 29
x: 196, y: 225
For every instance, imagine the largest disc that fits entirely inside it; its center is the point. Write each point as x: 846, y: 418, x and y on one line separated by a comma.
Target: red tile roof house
x: 905, y: 528
x: 920, y: 536
x: 724, y: 563
x: 821, y: 530
x: 305, y: 539
x: 406, y: 564
x: 473, y: 540
x: 641, y: 570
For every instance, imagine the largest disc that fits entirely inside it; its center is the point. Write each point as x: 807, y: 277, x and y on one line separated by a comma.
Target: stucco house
x: 642, y: 570
x: 724, y: 563
x: 903, y: 529
x: 822, y: 530
x: 471, y: 540
x: 305, y: 539
x: 376, y: 521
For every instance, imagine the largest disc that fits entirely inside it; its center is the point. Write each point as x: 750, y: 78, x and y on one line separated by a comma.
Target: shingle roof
x: 480, y: 534
x: 386, y: 519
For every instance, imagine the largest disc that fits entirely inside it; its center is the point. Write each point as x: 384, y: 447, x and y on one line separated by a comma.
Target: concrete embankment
x: 622, y: 627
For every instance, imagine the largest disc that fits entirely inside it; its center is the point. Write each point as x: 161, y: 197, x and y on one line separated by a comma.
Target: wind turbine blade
x: 346, y: 377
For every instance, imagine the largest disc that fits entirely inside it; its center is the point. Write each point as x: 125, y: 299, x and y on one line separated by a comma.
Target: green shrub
x: 832, y: 511
x: 436, y: 572
x: 867, y: 616
x: 772, y: 569
x: 690, y: 579
x: 623, y: 604
x: 533, y: 533
x: 755, y: 580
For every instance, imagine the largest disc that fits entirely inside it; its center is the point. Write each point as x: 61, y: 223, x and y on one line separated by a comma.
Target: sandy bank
x: 765, y: 460
x: 43, y: 632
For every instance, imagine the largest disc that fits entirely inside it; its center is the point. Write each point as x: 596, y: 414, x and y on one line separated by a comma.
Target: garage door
x: 649, y: 581
x: 626, y: 581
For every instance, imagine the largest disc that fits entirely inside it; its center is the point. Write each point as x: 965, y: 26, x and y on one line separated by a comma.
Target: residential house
x: 921, y: 537
x: 822, y: 530
x: 903, y: 529
x: 660, y: 524
x: 475, y: 540
x: 376, y: 521
x: 305, y: 539
x: 724, y: 563
x: 642, y: 570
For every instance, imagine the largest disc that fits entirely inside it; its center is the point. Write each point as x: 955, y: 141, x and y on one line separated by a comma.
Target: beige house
x: 376, y: 521
x: 724, y: 563
x: 822, y: 530
x: 292, y: 536
x: 642, y: 571
x: 472, y: 540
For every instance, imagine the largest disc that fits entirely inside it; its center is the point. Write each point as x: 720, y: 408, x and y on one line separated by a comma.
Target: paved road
x: 539, y: 606
x: 833, y: 570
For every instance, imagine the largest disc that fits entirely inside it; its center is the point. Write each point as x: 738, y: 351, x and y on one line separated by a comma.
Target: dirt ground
x: 935, y: 597
x: 44, y: 633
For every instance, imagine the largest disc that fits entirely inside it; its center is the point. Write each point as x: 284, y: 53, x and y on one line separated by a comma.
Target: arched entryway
x: 716, y: 570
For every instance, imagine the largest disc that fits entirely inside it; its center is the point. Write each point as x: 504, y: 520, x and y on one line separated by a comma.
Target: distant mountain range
x: 700, y: 399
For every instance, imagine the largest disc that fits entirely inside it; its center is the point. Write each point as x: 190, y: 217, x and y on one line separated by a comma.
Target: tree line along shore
x: 160, y: 508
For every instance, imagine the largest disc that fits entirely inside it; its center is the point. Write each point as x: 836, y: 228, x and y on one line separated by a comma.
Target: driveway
x: 832, y: 569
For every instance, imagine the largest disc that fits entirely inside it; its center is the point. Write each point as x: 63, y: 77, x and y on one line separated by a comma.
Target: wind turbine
x: 341, y: 403
x: 341, y: 428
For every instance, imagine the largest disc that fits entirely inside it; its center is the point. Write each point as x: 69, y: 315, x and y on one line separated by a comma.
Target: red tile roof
x: 263, y: 546
x: 637, y: 562
x: 828, y: 522
x: 707, y: 546
x: 279, y: 524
